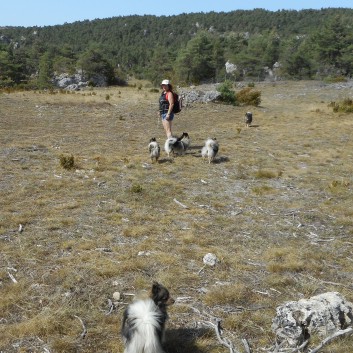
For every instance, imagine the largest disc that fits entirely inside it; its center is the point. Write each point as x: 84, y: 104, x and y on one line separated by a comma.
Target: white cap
x: 165, y: 82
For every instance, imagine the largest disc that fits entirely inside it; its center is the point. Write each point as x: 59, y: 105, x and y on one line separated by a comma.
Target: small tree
x: 227, y: 93
x: 93, y: 63
x: 44, y: 73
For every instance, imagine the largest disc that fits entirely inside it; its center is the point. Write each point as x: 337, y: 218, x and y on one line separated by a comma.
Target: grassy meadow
x: 275, y: 208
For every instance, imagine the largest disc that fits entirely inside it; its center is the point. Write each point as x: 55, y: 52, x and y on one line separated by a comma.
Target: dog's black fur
x: 248, y: 118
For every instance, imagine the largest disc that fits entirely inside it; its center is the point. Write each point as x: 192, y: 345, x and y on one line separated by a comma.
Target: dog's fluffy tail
x: 144, y: 319
x: 210, y: 149
x: 168, y: 146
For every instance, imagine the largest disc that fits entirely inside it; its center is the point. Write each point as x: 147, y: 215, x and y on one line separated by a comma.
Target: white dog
x: 154, y: 149
x: 210, y: 149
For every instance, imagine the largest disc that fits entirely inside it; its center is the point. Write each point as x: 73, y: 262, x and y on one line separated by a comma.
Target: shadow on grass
x: 195, y: 147
x: 183, y: 340
x: 165, y: 160
x: 221, y: 160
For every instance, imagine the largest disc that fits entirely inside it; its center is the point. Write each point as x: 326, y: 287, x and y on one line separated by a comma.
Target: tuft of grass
x: 136, y: 189
x: 236, y: 294
x: 267, y: 174
x: 263, y: 190
x: 67, y: 162
x: 281, y: 260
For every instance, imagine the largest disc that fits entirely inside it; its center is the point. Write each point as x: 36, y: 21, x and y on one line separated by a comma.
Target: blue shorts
x: 164, y: 115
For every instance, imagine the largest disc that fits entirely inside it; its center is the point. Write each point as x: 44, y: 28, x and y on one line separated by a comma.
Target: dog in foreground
x: 177, y: 145
x: 144, y: 322
x: 210, y: 149
x: 154, y: 149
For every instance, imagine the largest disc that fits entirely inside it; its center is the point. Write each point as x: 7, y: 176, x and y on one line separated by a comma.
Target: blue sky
x: 46, y: 12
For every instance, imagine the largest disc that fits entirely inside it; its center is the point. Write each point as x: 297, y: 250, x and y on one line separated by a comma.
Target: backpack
x: 177, y: 103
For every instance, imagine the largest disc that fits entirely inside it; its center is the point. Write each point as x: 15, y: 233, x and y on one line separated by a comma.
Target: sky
x: 28, y: 13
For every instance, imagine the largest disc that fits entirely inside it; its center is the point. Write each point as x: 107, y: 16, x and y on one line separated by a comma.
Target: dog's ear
x: 155, y: 288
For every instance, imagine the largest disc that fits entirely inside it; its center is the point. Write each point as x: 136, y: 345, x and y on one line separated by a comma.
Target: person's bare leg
x: 167, y: 124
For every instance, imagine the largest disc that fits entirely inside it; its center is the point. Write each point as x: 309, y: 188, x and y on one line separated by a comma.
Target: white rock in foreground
x: 210, y: 259
x: 321, y: 315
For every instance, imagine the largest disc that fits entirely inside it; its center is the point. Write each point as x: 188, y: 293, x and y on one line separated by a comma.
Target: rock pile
x: 192, y: 95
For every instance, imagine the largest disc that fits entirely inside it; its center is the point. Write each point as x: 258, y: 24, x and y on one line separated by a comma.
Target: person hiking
x: 166, y: 103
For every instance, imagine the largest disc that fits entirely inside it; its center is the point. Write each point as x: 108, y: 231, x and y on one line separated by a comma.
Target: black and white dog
x: 248, y: 118
x: 210, y: 149
x: 144, y: 322
x: 154, y: 149
x: 177, y: 145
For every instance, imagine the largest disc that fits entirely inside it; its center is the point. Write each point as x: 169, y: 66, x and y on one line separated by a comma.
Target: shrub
x: 136, y: 188
x: 335, y: 79
x: 249, y: 96
x: 346, y: 106
x: 227, y: 94
x: 67, y: 162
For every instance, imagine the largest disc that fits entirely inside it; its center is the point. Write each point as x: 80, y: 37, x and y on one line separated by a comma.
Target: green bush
x: 227, y: 94
x: 334, y: 79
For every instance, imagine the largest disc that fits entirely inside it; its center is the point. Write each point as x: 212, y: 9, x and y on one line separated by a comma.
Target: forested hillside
x: 189, y: 48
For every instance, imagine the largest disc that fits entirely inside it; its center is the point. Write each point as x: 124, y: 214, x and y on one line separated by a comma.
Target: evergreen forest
x: 187, y: 48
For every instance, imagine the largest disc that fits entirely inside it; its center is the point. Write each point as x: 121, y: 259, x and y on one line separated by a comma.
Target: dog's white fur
x: 210, y: 149
x: 146, y: 315
x: 154, y: 150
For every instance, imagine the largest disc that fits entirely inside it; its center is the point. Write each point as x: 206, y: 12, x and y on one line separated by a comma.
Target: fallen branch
x: 13, y: 279
x: 111, y: 307
x: 327, y: 340
x: 84, y: 332
x: 246, y: 345
x: 218, y: 329
x: 180, y: 204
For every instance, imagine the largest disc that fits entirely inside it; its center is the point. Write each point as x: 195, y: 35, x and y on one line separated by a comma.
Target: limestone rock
x: 321, y: 315
x: 210, y: 259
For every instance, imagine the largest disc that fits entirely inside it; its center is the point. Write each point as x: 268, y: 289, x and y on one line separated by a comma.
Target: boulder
x: 321, y: 315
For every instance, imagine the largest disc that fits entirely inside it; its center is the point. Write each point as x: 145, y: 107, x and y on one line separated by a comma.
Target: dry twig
x: 13, y: 279
x: 327, y: 340
x: 84, y: 332
x: 218, y: 329
x: 180, y: 204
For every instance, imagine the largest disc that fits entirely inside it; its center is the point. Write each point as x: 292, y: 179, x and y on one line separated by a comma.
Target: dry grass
x: 275, y: 208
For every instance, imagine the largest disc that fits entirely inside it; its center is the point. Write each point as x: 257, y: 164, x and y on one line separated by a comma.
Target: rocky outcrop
x: 5, y: 40
x: 78, y: 80
x: 192, y: 95
x: 321, y: 315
